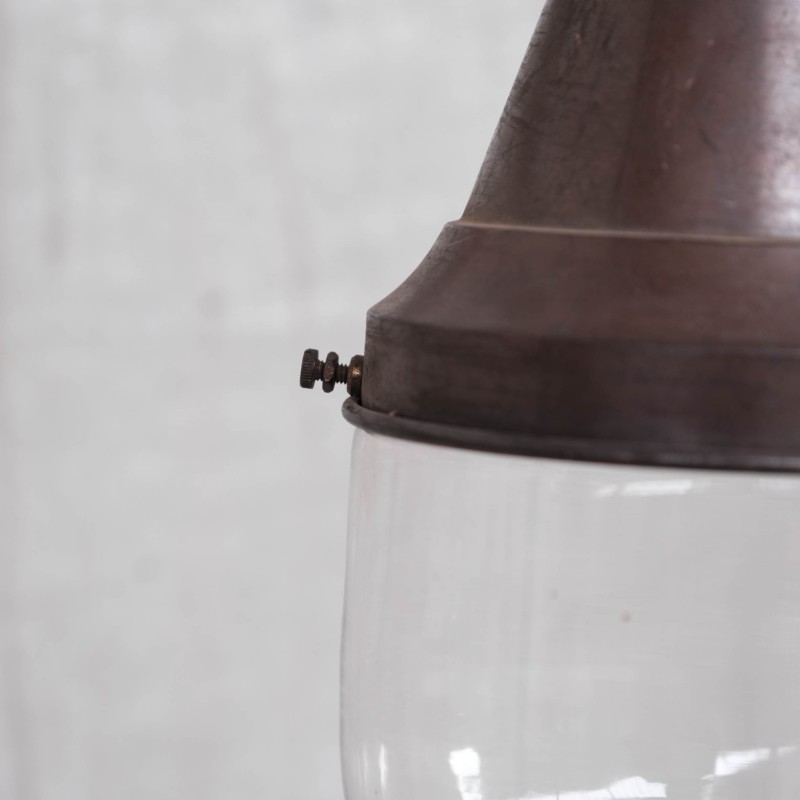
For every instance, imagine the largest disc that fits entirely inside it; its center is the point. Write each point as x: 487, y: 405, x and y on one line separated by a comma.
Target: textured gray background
x: 192, y: 193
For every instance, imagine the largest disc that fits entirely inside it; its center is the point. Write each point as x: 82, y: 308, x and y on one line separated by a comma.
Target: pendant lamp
x: 574, y: 537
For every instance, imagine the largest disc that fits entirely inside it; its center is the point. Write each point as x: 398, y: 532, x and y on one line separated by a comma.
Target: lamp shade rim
x: 605, y: 451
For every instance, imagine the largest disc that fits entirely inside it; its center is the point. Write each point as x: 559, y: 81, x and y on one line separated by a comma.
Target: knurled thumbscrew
x: 331, y: 372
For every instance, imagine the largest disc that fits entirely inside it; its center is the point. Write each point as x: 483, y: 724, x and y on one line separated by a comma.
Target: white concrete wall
x: 191, y: 193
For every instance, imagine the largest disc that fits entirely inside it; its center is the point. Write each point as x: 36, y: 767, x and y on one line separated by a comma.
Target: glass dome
x: 530, y: 629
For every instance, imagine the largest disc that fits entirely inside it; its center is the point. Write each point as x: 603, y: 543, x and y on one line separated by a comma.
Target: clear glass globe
x: 530, y: 629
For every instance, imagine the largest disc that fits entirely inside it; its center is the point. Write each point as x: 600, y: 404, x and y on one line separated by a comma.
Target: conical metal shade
x: 624, y: 284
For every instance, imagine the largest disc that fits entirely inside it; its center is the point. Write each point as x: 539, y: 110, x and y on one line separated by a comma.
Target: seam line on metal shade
x: 607, y: 233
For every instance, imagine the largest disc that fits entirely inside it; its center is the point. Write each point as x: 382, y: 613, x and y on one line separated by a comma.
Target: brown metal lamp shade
x: 624, y: 284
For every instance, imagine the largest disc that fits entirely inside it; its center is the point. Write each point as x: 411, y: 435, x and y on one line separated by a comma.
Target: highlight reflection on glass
x: 382, y: 766
x: 628, y: 789
x: 728, y: 764
x: 466, y: 766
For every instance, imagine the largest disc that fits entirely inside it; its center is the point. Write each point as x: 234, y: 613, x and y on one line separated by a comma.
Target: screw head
x: 310, y: 369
